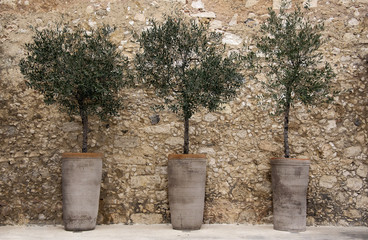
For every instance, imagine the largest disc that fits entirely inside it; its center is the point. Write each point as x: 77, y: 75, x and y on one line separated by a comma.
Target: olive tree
x: 81, y: 71
x: 294, y: 67
x: 186, y: 66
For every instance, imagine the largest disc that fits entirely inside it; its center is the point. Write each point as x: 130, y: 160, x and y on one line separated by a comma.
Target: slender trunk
x: 286, y: 130
x: 186, y: 135
x: 84, y: 116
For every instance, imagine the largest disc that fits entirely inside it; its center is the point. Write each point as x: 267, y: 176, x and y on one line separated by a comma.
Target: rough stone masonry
x: 239, y: 140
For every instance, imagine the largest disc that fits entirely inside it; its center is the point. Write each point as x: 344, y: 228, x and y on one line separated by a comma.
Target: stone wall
x: 238, y: 140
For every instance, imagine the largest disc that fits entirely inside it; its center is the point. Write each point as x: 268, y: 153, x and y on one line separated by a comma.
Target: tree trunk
x: 186, y: 135
x: 84, y: 116
x: 286, y: 130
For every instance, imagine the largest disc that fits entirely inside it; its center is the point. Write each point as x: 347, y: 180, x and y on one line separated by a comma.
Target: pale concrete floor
x: 165, y: 232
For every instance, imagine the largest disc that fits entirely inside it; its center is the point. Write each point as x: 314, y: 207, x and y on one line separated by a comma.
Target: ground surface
x: 165, y: 232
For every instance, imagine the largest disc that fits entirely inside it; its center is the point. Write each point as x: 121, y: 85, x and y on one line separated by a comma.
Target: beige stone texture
x: 148, y: 218
x: 327, y: 181
x: 354, y: 183
x: 145, y: 181
x: 362, y: 202
x: 239, y: 140
x: 362, y: 170
x: 353, y: 151
x: 268, y: 146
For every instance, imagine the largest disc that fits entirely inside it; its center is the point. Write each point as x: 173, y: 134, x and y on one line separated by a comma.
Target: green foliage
x: 294, y: 67
x: 76, y: 69
x: 186, y: 67
x: 80, y: 71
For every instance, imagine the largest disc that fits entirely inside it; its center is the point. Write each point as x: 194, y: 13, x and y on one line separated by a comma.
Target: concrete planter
x: 289, y: 191
x: 81, y: 179
x: 187, y: 179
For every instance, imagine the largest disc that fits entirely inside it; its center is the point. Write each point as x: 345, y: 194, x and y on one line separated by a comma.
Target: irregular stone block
x: 34, y: 154
x: 179, y: 1
x: 232, y: 39
x: 161, y: 195
x: 247, y: 216
x: 147, y: 218
x: 251, y: 3
x: 331, y: 124
x: 353, y: 22
x: 327, y: 151
x: 204, y: 15
x: 174, y: 141
x: 353, y: 151
x: 140, y: 17
x: 226, y: 109
x: 155, y: 119
x: 126, y: 142
x: 327, y: 181
x: 145, y: 181
x: 262, y: 167
x: 362, y: 171
x: 197, y: 4
x: 216, y: 24
x: 223, y: 210
x: 354, y: 183
x: 242, y: 134
x: 210, y: 117
x: 234, y: 20
x: 71, y: 127
x: 353, y: 213
x: 130, y: 160
x: 90, y: 9
x: 11, y: 3
x: 118, y: 218
x: 206, y: 150
x: 159, y: 129
x: 362, y: 202
x: 267, y: 146
x: 360, y: 137
x: 9, y: 130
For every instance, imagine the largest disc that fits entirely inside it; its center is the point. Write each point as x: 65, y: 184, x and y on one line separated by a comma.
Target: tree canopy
x: 186, y: 66
x: 294, y: 66
x: 81, y: 71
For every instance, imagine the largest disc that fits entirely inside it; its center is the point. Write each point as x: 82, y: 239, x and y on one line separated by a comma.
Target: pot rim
x: 82, y: 155
x: 185, y: 156
x: 290, y: 161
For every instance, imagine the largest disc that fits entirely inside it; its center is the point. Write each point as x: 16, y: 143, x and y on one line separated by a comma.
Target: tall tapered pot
x: 81, y: 180
x: 187, y: 178
x: 289, y: 192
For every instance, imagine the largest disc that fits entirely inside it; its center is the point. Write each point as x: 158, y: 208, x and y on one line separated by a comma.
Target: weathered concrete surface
x: 165, y: 232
